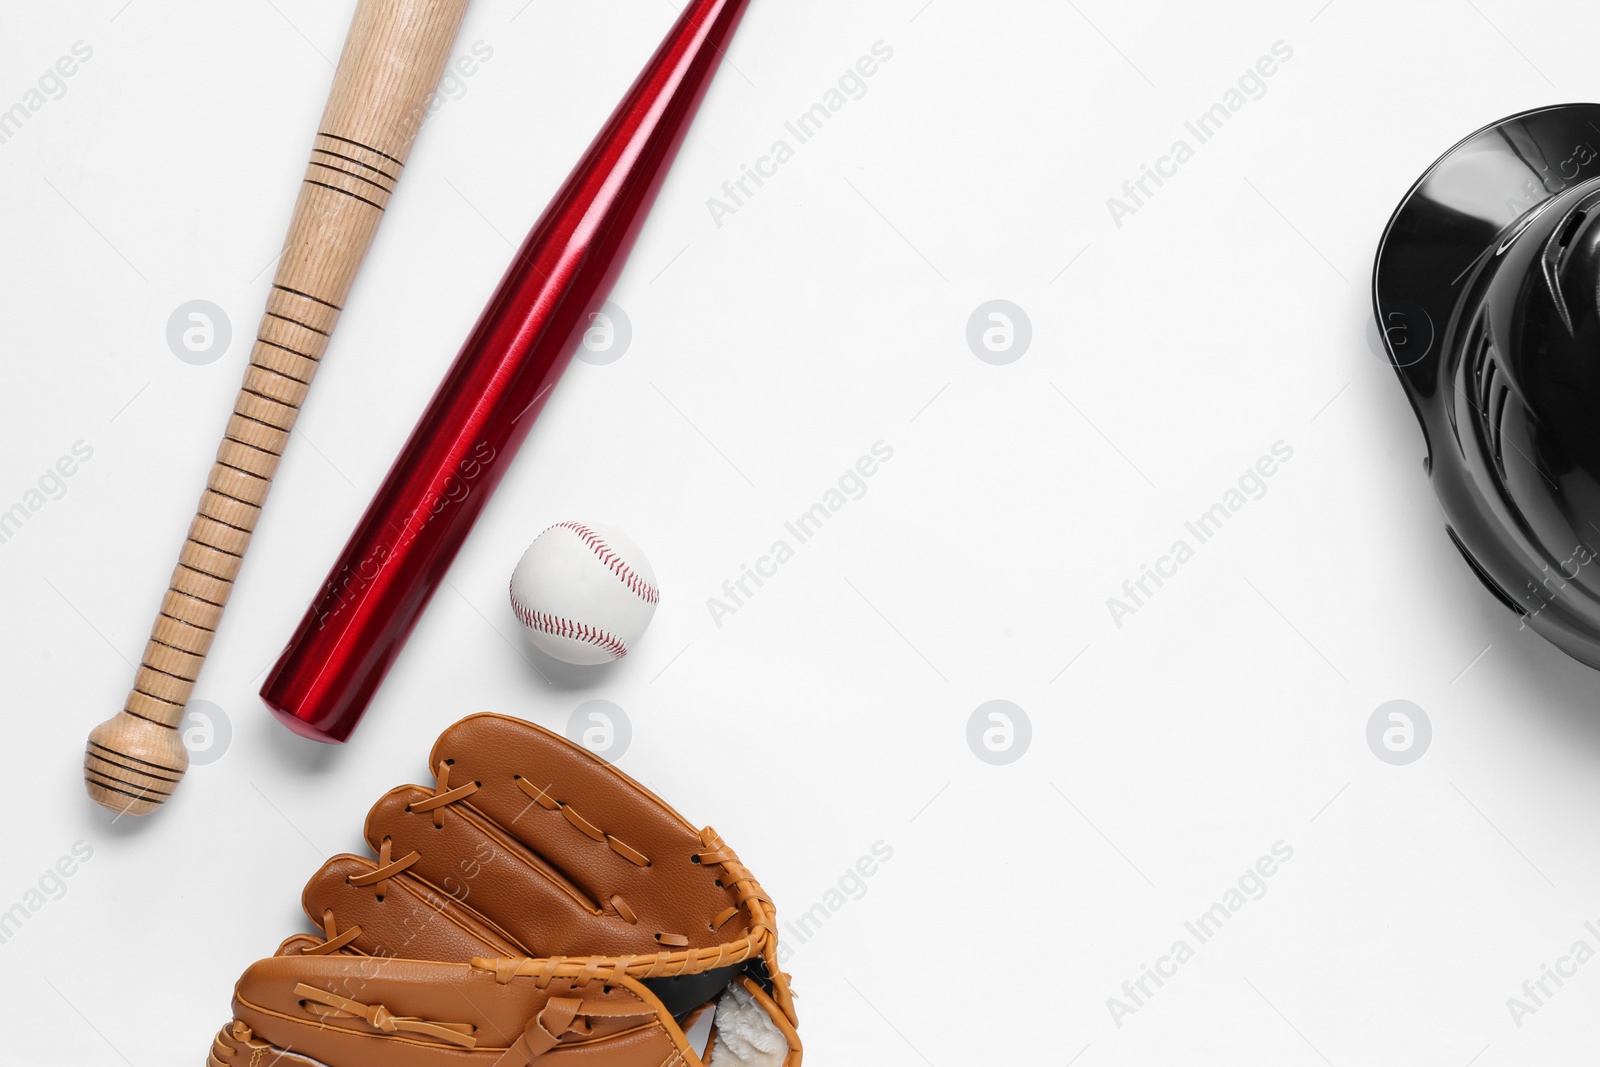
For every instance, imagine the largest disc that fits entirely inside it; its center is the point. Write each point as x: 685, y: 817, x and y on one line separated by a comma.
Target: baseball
x: 583, y: 593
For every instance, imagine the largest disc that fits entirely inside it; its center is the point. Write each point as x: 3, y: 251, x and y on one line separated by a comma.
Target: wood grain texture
x: 393, y: 59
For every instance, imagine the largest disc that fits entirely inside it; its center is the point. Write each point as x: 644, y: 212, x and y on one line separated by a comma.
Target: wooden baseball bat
x: 393, y: 59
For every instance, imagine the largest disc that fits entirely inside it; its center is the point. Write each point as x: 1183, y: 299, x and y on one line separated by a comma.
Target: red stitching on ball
x: 613, y: 562
x: 559, y: 627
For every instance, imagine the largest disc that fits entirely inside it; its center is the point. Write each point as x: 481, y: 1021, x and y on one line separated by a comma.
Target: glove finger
x: 343, y: 1011
x: 399, y: 916
x: 493, y: 876
x: 605, y: 833
x: 296, y: 944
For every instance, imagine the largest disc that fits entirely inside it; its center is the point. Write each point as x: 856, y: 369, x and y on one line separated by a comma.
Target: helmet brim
x: 1456, y: 215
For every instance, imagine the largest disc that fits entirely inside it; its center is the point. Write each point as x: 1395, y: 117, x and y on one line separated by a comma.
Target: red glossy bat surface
x: 497, y: 386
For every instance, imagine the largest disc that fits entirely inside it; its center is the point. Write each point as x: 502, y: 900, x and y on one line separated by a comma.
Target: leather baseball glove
x: 536, y: 906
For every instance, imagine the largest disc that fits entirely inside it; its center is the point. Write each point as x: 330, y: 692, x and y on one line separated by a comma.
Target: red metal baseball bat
x: 497, y: 386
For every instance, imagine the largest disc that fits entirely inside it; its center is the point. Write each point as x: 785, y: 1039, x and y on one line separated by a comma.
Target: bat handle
x: 393, y: 59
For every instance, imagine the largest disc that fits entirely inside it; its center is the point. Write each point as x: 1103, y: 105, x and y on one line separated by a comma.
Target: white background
x: 830, y: 712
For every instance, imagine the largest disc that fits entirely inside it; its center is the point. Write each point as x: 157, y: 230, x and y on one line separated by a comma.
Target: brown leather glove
x: 537, y: 906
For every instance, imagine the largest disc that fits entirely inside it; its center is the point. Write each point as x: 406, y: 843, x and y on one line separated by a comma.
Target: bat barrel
x: 493, y: 392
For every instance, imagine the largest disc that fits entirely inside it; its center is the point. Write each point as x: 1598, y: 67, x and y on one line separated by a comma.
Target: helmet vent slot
x: 1488, y: 372
x: 1496, y: 422
x: 1570, y: 230
x: 1492, y: 394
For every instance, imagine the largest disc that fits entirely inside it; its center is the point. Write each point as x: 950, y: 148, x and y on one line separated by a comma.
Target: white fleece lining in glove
x: 746, y: 1034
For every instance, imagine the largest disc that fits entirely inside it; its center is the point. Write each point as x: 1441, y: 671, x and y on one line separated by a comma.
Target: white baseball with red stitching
x: 584, y: 593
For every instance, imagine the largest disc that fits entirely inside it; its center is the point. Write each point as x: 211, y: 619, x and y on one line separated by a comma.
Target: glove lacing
x: 388, y: 867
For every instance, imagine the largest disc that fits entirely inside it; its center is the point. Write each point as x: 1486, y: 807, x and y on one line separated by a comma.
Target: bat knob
x: 132, y: 765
